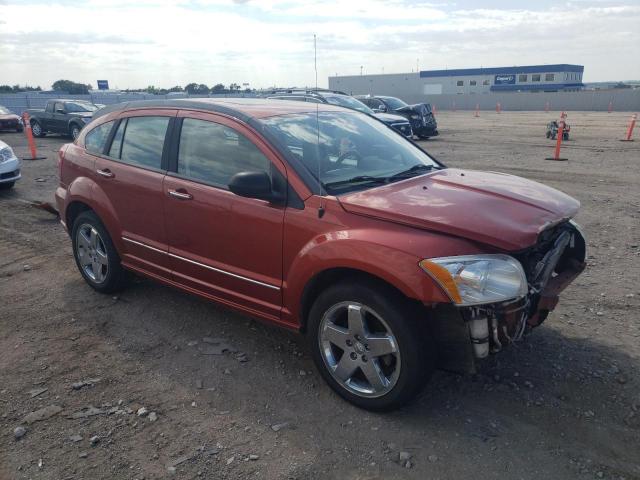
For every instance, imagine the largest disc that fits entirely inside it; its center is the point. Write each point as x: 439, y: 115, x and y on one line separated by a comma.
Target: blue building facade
x: 549, y: 78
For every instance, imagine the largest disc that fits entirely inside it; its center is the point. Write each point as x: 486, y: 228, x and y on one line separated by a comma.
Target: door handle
x: 105, y: 172
x: 180, y: 195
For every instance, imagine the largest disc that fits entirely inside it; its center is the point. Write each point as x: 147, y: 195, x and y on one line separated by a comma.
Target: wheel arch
x: 322, y: 280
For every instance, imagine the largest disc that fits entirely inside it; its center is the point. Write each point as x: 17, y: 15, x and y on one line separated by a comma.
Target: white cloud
x: 268, y: 42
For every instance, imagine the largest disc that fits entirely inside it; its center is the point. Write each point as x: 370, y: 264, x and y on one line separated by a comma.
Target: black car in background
x: 334, y: 97
x: 423, y: 122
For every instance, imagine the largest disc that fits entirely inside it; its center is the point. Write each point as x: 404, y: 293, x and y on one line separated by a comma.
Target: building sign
x: 103, y: 84
x: 505, y: 79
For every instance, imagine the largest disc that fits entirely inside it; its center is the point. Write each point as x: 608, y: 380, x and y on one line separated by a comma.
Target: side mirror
x: 60, y: 110
x: 254, y: 185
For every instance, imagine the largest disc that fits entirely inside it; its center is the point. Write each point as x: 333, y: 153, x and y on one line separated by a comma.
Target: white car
x: 9, y: 167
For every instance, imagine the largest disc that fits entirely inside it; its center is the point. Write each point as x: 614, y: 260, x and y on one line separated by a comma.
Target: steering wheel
x: 349, y: 153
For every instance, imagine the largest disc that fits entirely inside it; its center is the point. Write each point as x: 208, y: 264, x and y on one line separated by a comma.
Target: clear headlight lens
x: 6, y: 154
x: 478, y: 279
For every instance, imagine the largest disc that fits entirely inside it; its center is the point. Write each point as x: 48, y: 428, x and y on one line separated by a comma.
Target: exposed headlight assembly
x: 6, y: 154
x: 478, y: 279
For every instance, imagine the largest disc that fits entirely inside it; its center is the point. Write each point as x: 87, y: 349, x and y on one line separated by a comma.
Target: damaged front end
x: 465, y: 333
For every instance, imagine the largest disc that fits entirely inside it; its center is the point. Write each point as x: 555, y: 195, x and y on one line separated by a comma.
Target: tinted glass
x: 348, y: 102
x: 337, y: 146
x: 214, y: 153
x: 143, y: 141
x: 394, y: 103
x: 96, y: 139
x: 80, y: 107
x: 116, y: 144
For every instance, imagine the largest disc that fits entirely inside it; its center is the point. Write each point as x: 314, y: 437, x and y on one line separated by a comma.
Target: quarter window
x: 214, y: 153
x: 549, y: 77
x: 143, y: 141
x: 96, y: 139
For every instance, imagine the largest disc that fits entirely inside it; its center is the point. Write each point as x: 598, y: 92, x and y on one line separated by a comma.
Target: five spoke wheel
x: 92, y: 254
x: 359, y: 349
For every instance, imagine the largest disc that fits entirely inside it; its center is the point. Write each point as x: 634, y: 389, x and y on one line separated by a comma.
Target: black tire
x: 548, y: 134
x: 115, y: 277
x: 74, y: 130
x: 407, y: 323
x: 423, y: 137
x: 38, y: 128
x: 6, y: 185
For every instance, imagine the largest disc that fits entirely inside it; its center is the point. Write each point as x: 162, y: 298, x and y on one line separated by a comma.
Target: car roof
x: 241, y: 108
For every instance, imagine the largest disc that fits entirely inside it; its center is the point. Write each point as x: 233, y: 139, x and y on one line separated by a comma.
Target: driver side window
x: 213, y: 153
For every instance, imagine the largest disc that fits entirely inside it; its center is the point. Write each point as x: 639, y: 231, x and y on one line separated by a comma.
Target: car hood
x: 82, y: 114
x: 9, y: 116
x: 496, y: 209
x: 390, y: 117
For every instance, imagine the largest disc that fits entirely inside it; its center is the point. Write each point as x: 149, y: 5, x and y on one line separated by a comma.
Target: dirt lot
x: 563, y: 404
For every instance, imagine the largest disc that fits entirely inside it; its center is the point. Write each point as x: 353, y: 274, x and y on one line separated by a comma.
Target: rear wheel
x: 74, y: 131
x: 369, y: 345
x: 36, y: 128
x: 95, y: 255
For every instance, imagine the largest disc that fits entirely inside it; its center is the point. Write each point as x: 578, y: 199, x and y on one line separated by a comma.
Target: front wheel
x: 370, y: 345
x: 37, y: 130
x: 95, y: 255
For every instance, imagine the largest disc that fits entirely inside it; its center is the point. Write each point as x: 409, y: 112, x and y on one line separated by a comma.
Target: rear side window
x: 96, y: 139
x: 116, y: 144
x: 214, y: 153
x: 143, y: 141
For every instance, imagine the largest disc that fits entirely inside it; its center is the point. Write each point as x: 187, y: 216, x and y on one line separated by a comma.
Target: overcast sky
x: 135, y: 43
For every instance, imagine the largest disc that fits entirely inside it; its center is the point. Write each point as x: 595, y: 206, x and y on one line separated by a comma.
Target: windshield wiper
x: 411, y: 171
x: 358, y: 179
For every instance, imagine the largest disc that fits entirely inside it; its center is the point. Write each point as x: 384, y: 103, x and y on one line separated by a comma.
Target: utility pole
x: 360, y: 70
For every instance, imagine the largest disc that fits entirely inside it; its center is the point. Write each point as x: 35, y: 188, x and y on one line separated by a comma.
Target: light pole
x: 360, y: 70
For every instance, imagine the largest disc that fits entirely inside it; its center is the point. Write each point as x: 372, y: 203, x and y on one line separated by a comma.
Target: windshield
x: 4, y: 111
x: 347, y: 150
x: 348, y: 102
x: 80, y: 107
x: 394, y: 103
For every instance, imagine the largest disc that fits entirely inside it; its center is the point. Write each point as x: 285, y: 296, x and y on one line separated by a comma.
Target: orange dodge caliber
x: 323, y: 220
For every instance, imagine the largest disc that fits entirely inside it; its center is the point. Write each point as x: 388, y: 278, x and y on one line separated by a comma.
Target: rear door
x: 225, y: 246
x: 130, y: 176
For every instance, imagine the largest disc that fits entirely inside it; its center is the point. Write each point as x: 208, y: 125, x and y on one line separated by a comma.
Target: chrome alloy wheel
x: 91, y: 252
x: 359, y: 349
x: 36, y: 129
x: 75, y: 131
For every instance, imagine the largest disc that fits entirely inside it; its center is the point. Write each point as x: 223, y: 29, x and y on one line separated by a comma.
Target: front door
x: 131, y: 175
x: 225, y: 246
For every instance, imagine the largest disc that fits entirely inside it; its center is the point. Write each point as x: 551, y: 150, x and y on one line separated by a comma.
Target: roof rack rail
x: 304, y: 90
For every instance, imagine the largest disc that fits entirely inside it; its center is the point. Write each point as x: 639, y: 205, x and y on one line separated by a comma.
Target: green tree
x: 70, y: 87
x: 218, y: 88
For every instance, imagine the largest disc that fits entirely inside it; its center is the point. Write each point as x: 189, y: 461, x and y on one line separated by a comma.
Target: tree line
x: 74, y: 88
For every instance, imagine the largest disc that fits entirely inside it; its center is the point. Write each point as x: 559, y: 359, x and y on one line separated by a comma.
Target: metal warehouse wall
x: 622, y: 100
x: 19, y: 102
x: 409, y: 86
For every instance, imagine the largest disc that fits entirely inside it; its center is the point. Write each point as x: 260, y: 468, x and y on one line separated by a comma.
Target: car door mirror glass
x: 254, y: 185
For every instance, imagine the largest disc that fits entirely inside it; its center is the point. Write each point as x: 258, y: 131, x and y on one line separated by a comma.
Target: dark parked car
x: 9, y: 120
x: 423, y: 122
x: 334, y: 97
x: 322, y: 220
x: 67, y: 117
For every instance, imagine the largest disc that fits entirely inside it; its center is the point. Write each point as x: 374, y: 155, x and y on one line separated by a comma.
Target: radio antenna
x: 315, y: 67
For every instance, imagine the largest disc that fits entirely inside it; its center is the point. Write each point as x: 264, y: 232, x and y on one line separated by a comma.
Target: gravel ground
x: 130, y: 387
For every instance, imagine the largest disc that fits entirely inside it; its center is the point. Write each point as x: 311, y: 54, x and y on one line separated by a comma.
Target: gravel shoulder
x: 154, y: 383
